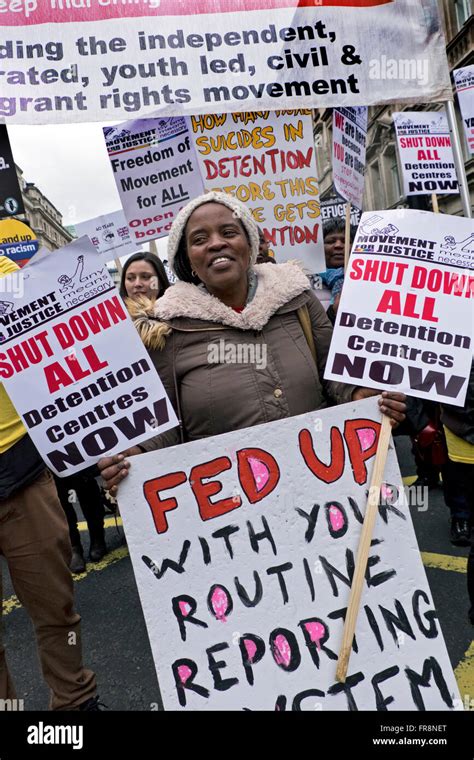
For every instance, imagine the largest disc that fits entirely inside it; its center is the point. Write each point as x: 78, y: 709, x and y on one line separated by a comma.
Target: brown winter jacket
x: 192, y: 338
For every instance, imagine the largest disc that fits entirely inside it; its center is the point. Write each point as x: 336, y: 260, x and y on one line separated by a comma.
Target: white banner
x: 243, y: 556
x: 73, y: 364
x: 109, y: 234
x: 68, y: 61
x: 156, y: 173
x: 405, y: 318
x: 349, y: 135
x: 426, y: 155
x: 268, y: 161
x: 464, y: 81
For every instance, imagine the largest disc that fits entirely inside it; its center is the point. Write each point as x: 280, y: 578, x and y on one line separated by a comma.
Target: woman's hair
x: 156, y: 263
x: 338, y: 224
x: 182, y: 265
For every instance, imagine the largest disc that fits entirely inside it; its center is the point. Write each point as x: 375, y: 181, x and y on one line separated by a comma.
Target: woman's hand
x: 392, y: 403
x: 115, y: 469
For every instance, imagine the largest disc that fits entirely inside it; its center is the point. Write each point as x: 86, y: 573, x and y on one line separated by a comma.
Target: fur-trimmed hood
x: 151, y: 331
x: 277, y: 285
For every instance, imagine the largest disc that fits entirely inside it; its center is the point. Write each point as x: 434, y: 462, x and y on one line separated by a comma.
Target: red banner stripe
x: 59, y: 11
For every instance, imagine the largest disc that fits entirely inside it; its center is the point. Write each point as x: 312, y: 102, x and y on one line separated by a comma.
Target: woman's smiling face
x: 217, y: 247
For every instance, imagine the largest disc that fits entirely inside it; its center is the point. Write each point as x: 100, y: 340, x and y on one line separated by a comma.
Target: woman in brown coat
x: 236, y: 344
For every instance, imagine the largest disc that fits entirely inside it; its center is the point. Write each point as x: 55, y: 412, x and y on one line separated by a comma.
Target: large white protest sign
x: 243, y: 548
x: 267, y: 160
x: 349, y: 135
x: 426, y: 155
x: 405, y: 319
x: 73, y: 364
x: 464, y: 81
x: 156, y: 172
x: 88, y: 60
x: 109, y: 234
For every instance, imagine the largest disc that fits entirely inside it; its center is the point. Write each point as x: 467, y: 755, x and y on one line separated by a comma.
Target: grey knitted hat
x: 240, y: 211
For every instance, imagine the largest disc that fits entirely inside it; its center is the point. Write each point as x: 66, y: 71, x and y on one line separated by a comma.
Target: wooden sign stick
x: 434, y: 203
x: 118, y: 264
x: 347, y: 235
x: 364, y: 548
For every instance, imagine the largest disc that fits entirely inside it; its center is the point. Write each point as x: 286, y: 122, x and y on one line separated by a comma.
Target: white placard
x: 268, y: 161
x: 349, y: 135
x: 426, y: 155
x: 109, y: 234
x: 464, y: 81
x: 156, y: 173
x: 73, y: 364
x: 405, y: 320
x: 243, y: 548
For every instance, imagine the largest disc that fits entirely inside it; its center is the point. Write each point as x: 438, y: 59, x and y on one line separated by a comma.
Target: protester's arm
x: 114, y: 469
x: 164, y: 362
x: 339, y: 393
x: 392, y: 403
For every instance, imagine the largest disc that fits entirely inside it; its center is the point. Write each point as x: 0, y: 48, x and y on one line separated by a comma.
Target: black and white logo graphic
x: 5, y: 307
x: 464, y: 245
x: 11, y: 205
x: 70, y: 283
x: 368, y: 229
x: 108, y: 236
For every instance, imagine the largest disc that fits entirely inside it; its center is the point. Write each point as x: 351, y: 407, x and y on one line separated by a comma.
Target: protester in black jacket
x: 459, y: 428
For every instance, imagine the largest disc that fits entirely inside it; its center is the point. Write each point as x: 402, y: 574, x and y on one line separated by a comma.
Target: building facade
x: 44, y: 219
x: 383, y: 177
